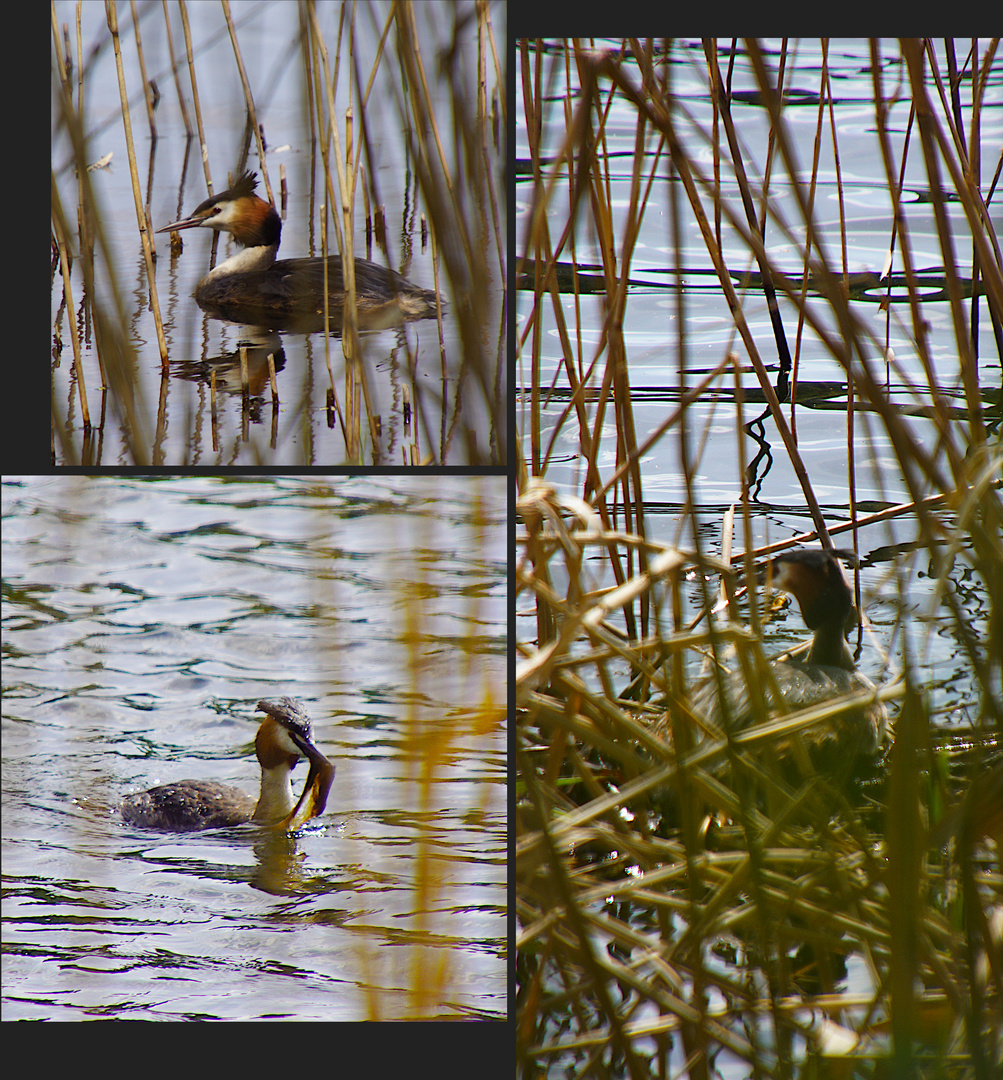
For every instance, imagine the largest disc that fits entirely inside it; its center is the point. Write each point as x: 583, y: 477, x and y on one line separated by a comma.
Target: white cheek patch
x: 285, y: 742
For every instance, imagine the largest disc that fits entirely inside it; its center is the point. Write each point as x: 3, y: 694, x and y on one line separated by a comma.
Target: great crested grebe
x: 253, y: 284
x: 815, y: 579
x: 284, y: 737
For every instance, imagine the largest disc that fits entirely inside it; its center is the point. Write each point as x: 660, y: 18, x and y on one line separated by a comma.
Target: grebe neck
x: 245, y: 261
x: 276, y: 799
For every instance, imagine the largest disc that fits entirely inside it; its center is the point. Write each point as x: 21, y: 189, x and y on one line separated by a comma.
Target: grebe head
x: 251, y: 221
x: 815, y: 579
x: 285, y: 736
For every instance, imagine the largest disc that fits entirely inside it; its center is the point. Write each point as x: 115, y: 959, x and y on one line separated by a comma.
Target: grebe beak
x: 315, y: 790
x: 184, y: 223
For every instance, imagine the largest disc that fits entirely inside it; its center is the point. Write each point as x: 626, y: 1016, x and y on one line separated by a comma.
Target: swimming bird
x: 252, y: 287
x: 285, y: 735
x: 815, y: 579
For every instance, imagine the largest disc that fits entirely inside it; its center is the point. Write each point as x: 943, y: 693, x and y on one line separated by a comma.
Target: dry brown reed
x: 685, y: 905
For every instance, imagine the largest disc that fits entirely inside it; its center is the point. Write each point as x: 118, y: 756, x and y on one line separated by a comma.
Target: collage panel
x: 758, y: 539
x: 279, y: 235
x: 255, y: 748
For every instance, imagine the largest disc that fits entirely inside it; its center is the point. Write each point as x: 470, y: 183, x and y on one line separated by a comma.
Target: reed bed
x: 686, y: 905
x: 452, y: 123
